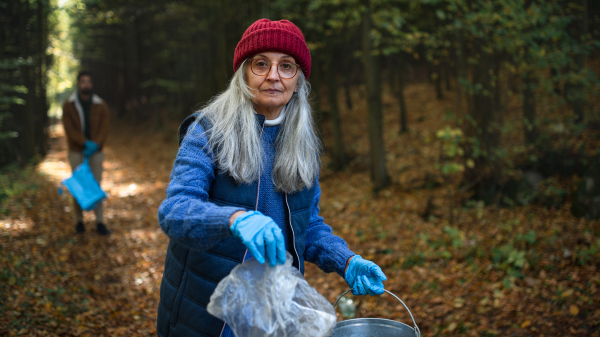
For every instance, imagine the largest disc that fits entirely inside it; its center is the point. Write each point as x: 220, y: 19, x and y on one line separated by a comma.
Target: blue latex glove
x: 90, y: 148
x: 261, y: 235
x: 364, y: 277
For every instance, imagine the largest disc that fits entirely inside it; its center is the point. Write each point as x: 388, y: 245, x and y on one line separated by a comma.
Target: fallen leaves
x: 54, y: 283
x: 459, y: 302
x: 573, y: 310
x: 450, y: 279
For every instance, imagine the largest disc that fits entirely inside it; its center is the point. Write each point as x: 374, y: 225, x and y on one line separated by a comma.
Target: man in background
x: 86, y: 121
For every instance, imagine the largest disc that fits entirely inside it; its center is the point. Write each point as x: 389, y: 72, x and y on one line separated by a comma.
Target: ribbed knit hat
x: 279, y: 36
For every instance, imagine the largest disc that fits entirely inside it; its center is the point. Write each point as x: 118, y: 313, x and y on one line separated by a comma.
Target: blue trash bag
x: 84, y: 187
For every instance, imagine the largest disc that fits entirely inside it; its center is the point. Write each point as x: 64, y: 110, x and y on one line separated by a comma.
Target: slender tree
x: 340, y: 158
x: 401, y: 69
x: 379, y: 174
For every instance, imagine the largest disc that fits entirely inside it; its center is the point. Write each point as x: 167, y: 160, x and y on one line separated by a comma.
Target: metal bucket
x: 375, y: 327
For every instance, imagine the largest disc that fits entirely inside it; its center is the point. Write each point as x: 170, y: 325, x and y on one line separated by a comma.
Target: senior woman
x: 245, y: 183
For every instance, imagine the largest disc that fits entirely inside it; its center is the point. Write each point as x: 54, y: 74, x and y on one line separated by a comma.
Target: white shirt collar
x: 278, y: 120
x: 95, y: 98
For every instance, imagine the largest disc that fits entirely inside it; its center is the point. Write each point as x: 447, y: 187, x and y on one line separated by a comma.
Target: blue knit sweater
x: 188, y: 216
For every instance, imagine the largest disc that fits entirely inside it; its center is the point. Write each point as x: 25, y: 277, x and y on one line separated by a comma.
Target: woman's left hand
x: 364, y: 277
x: 261, y: 235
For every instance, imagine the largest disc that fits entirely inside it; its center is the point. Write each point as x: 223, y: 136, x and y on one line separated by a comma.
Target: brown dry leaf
x: 531, y: 281
x: 567, y: 293
x: 437, y: 300
x: 573, y: 310
x: 459, y: 302
x: 526, y: 324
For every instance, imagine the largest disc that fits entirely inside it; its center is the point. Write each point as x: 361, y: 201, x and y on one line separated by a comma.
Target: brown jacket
x: 72, y: 116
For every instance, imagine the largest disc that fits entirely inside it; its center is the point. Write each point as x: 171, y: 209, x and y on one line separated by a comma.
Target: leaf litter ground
x: 524, y: 271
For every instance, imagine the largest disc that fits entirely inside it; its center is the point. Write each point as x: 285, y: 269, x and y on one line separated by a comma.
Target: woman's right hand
x: 261, y: 235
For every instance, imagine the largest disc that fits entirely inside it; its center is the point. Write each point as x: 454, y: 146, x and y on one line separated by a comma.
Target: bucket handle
x: 417, y: 331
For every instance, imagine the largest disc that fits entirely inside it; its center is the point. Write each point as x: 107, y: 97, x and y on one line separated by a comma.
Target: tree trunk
x: 447, y: 76
x: 556, y: 84
x: 27, y: 134
x: 347, y: 71
x: 499, y: 99
x: 483, y: 114
x: 379, y: 174
x: 437, y: 74
x: 315, y: 80
x: 579, y: 100
x: 42, y: 106
x: 340, y: 158
x: 529, y: 109
x: 401, y: 70
x: 131, y: 71
x: 220, y: 47
x: 347, y: 91
x: 461, y: 73
x: 391, y: 73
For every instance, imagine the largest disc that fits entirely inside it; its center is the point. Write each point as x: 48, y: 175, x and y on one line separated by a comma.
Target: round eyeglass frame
x: 271, y: 65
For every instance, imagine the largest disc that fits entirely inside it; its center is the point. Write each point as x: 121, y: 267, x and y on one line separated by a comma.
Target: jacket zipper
x: 293, y: 234
x: 255, y: 208
x: 258, y: 185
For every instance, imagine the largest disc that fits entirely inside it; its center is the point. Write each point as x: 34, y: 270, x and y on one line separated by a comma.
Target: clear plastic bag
x: 257, y: 300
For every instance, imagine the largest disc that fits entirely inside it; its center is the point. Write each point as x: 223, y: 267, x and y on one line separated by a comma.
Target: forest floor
x: 522, y: 271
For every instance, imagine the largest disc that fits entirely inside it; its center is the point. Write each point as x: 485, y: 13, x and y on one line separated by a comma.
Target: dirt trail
x: 69, y: 284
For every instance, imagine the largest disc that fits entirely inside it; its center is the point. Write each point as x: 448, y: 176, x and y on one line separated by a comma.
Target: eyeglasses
x: 261, y: 67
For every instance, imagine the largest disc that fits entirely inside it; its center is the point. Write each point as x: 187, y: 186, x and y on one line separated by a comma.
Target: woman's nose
x: 273, y: 74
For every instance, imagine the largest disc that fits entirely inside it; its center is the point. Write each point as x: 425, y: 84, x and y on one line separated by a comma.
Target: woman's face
x: 271, y: 91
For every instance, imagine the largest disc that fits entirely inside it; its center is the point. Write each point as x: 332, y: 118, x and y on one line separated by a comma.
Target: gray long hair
x: 235, y: 139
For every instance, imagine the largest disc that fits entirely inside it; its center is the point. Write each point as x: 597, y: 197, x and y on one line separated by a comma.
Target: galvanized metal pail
x: 375, y: 327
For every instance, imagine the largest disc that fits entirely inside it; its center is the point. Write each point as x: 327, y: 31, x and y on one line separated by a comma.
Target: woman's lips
x: 271, y: 91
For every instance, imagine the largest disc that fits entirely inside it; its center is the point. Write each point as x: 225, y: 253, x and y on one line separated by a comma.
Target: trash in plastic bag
x: 257, y: 300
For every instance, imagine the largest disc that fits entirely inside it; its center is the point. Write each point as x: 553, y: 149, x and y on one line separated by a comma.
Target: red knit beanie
x: 279, y: 36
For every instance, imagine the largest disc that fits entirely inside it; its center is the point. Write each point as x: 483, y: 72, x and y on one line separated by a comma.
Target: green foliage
x: 514, y: 256
x: 509, y: 259
x: 452, y: 154
x: 8, y: 97
x: 416, y: 259
x: 14, y: 63
x: 14, y: 186
x: 528, y: 238
x: 23, y: 66
x: 552, y: 194
x: 505, y: 38
x: 170, y: 55
x: 456, y: 236
x: 587, y: 254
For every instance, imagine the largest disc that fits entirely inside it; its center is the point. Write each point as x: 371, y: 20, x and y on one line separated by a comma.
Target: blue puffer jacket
x: 202, y: 250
